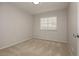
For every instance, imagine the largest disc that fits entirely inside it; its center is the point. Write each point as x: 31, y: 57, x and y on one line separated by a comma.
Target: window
x: 49, y: 23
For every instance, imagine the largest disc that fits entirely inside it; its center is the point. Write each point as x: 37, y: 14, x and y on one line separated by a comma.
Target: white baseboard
x: 17, y: 42
x: 50, y: 40
x: 14, y: 43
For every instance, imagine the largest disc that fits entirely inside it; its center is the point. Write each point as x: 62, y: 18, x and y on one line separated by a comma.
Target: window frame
x: 47, y: 28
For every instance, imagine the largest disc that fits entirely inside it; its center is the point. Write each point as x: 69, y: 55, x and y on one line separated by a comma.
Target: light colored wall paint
x: 78, y: 28
x: 15, y: 25
x: 72, y: 27
x: 60, y: 34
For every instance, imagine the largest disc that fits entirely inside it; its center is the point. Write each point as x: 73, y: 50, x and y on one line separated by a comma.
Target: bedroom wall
x: 72, y: 27
x: 60, y: 34
x: 15, y: 25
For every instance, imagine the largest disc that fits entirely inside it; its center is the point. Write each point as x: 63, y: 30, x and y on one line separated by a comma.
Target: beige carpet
x: 36, y: 47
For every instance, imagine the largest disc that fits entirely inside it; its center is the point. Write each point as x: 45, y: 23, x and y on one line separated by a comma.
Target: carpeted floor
x: 36, y: 47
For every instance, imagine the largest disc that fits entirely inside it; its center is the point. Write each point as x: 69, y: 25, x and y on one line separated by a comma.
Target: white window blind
x: 49, y: 23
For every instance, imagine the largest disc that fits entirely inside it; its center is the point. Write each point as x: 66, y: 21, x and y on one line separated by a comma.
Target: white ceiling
x: 41, y: 7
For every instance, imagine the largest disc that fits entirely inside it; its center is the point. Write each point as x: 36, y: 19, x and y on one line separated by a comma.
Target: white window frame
x: 46, y: 21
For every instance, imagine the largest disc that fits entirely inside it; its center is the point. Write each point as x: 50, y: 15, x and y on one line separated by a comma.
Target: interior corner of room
x: 46, y: 22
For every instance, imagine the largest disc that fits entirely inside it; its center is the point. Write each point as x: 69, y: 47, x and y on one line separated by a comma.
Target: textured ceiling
x: 41, y: 7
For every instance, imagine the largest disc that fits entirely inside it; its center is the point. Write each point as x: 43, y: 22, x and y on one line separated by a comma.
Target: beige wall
x: 60, y: 34
x: 15, y: 25
x: 78, y: 28
x: 72, y: 27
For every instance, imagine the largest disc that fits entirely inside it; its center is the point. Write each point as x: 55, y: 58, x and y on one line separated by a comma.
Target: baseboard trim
x: 14, y: 43
x: 51, y: 40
